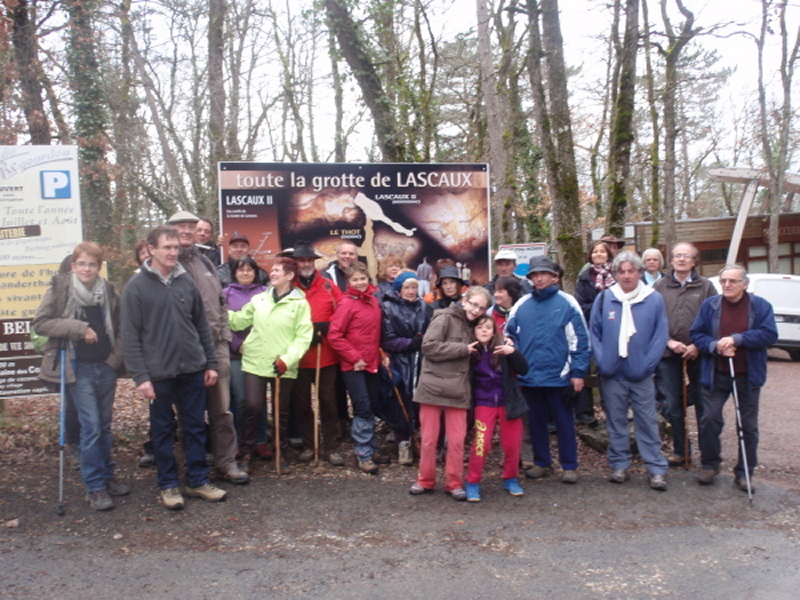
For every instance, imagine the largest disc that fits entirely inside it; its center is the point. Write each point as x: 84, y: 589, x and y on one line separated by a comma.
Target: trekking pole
x: 315, y: 403
x: 740, y: 432
x: 276, y: 392
x: 685, y: 416
x: 61, y: 434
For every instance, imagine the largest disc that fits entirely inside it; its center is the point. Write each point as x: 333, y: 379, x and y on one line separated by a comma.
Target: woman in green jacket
x: 281, y: 333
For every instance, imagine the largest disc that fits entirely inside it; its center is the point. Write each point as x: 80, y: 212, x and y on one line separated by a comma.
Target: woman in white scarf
x: 80, y: 314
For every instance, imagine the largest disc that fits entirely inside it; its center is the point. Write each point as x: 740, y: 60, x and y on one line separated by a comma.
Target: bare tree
x: 622, y: 130
x: 553, y: 121
x: 776, y: 151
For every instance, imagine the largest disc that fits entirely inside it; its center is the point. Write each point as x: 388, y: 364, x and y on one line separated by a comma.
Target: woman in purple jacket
x: 241, y: 290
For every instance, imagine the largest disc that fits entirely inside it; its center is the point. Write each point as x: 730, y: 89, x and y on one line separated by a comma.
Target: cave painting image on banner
x: 421, y: 212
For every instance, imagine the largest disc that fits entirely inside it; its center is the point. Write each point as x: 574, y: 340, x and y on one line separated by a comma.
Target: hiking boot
x: 657, y: 482
x: 263, y: 451
x: 172, y: 498
x: 147, y: 460
x: 473, y: 492
x: 741, y: 482
x: 114, y: 487
x: 100, y: 500
x: 74, y: 456
x: 706, y: 476
x: 537, y: 472
x: 368, y: 466
x: 677, y: 460
x: 208, y: 492
x: 236, y: 475
x: 417, y: 490
x: 285, y: 468
x: 380, y: 459
x: 512, y: 487
x: 569, y: 476
x: 458, y: 494
x: 336, y: 459
x: 619, y: 476
x: 306, y: 456
x: 404, y: 455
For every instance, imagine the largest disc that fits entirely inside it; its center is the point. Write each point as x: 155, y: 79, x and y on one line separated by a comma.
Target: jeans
x: 188, y: 394
x: 93, y: 396
x: 712, y: 422
x: 619, y: 394
x: 670, y: 380
x: 543, y: 403
x: 364, y: 389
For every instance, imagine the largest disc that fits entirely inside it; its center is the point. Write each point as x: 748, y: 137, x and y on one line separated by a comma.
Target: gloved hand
x: 280, y: 367
x: 416, y: 344
x: 320, y: 330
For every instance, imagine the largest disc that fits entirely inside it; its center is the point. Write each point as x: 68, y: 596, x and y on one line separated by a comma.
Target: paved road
x: 343, y: 534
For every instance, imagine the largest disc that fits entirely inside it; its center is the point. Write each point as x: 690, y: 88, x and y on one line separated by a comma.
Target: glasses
x: 730, y: 281
x: 84, y: 265
x: 682, y: 256
x: 479, y: 307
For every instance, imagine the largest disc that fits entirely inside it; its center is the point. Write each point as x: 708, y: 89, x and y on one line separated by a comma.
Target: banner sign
x: 40, y: 223
x: 421, y: 212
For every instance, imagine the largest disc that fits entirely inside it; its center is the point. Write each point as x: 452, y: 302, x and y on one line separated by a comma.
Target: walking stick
x: 315, y: 403
x: 740, y: 431
x: 61, y: 433
x: 685, y: 417
x: 276, y: 392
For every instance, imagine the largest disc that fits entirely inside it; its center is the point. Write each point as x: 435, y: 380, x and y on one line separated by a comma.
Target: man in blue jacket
x: 548, y: 328
x: 739, y: 326
x: 628, y: 331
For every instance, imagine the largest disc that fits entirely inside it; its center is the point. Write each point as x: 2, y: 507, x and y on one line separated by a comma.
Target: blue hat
x: 397, y: 284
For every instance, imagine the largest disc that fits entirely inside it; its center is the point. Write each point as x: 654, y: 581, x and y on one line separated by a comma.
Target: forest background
x: 591, y: 114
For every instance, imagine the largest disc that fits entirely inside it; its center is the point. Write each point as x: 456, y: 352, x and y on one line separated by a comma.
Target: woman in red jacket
x: 355, y: 335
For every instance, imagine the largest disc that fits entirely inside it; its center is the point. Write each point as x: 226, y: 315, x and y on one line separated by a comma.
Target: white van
x: 783, y: 292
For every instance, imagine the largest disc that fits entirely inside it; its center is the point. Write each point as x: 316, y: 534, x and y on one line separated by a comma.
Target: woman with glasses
x: 80, y: 314
x: 444, y: 389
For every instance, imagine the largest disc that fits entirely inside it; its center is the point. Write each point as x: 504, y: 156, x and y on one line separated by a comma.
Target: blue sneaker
x: 473, y: 492
x: 512, y: 487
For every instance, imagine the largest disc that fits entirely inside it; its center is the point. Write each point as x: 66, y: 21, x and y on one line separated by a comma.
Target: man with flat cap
x: 218, y: 396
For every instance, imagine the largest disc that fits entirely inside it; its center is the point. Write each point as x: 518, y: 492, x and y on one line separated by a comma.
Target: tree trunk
x: 217, y: 98
x: 677, y: 42
x: 555, y: 132
x: 655, y: 157
x: 622, y: 124
x: 26, y: 61
x: 91, y: 123
x: 356, y: 53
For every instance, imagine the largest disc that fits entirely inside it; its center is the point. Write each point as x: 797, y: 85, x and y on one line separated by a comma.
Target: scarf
x: 626, y: 326
x: 602, y: 276
x: 80, y: 296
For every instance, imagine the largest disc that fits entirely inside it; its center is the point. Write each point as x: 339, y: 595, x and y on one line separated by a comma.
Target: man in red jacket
x: 322, y: 295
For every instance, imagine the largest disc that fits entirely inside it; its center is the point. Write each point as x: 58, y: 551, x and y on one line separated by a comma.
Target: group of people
x: 213, y: 342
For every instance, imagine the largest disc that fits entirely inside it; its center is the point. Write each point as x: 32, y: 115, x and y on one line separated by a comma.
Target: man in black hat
x: 322, y: 295
x: 547, y: 326
x: 238, y: 246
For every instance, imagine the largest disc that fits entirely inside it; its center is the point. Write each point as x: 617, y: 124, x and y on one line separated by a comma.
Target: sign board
x: 421, y: 212
x: 525, y: 252
x: 40, y: 223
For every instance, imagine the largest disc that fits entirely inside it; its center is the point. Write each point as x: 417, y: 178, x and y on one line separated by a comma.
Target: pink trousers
x: 455, y: 427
